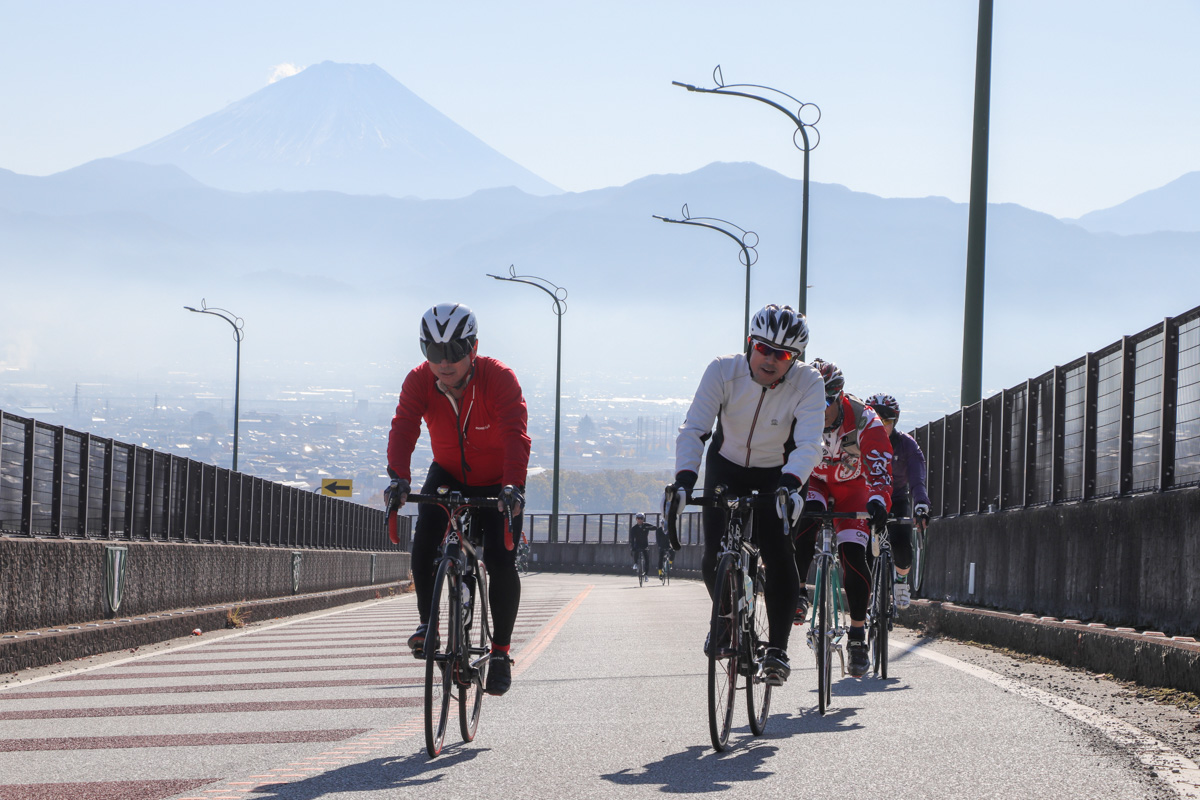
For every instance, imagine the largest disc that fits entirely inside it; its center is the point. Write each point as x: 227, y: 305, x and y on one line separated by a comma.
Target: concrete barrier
x: 1128, y: 562
x: 57, y: 583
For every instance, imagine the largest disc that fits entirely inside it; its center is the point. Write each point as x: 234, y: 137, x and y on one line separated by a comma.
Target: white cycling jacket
x: 758, y: 424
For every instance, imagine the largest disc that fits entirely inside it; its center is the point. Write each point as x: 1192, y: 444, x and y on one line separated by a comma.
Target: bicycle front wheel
x: 477, y: 641
x: 823, y: 636
x: 881, y: 613
x: 440, y: 660
x: 722, y: 653
x: 917, y: 574
x: 758, y: 691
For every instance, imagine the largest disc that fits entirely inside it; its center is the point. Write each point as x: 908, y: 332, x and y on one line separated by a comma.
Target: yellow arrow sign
x: 335, y: 487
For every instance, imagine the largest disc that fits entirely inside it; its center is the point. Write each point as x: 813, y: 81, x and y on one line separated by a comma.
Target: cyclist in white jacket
x: 769, y: 411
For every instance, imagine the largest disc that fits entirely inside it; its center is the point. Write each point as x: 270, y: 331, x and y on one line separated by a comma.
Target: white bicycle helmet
x: 780, y: 326
x: 449, y: 331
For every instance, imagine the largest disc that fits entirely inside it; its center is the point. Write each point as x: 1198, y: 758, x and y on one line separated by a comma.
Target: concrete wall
x: 1132, y: 561
x: 48, y: 582
x: 608, y: 558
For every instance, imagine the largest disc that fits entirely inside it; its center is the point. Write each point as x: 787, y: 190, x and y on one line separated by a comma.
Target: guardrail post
x: 1170, y: 397
x: 1059, y: 432
x: 27, y: 480
x: 1029, y: 476
x: 1091, y: 393
x: 1006, y: 478
x: 85, y: 481
x: 1128, y: 386
x: 56, y: 486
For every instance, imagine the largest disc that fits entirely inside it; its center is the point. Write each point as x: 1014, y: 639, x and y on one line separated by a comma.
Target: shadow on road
x: 379, y: 774
x: 701, y: 769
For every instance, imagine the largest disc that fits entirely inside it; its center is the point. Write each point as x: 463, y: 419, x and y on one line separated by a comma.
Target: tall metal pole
x: 972, y: 359
x: 236, y: 322
x: 559, y: 296
x: 748, y: 241
x: 802, y: 129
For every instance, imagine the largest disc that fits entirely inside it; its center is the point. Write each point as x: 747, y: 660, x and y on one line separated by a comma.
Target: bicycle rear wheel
x: 881, y: 613
x: 439, y: 661
x: 722, y: 654
x: 758, y: 691
x: 477, y: 642
x: 823, y: 637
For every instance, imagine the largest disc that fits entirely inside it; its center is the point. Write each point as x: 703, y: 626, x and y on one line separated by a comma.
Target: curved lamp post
x: 747, y: 240
x: 559, y: 295
x: 805, y: 145
x: 236, y: 322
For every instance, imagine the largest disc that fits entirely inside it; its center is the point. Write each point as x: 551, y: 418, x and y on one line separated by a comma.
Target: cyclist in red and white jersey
x: 476, y: 416
x: 855, y: 475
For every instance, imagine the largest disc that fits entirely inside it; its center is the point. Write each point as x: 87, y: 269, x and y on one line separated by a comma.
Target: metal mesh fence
x: 1121, y: 420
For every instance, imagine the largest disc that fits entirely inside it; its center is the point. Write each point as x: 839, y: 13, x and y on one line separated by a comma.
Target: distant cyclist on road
x: 909, y: 496
x: 767, y: 406
x: 665, y: 553
x: 855, y: 475
x: 475, y: 413
x: 639, y: 541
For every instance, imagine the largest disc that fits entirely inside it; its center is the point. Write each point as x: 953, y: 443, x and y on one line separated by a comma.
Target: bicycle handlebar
x: 455, y: 502
x: 455, y: 499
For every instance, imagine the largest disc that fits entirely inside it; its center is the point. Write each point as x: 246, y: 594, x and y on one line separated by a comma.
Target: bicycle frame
x: 735, y: 652
x: 457, y: 668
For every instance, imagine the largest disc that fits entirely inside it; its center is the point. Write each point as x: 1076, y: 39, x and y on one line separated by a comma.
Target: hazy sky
x: 1093, y: 101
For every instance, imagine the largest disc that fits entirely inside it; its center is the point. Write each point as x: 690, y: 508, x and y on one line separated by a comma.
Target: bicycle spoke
x: 439, y: 668
x: 758, y: 691
x: 722, y: 655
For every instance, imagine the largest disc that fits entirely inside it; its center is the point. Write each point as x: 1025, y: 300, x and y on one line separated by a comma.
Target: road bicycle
x: 458, y: 626
x: 664, y: 574
x: 737, y: 637
x: 640, y: 560
x: 881, y: 613
x: 829, y: 625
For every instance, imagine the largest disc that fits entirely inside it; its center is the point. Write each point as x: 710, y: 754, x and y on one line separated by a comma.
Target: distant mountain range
x: 98, y: 260
x: 1174, y: 207
x: 341, y: 127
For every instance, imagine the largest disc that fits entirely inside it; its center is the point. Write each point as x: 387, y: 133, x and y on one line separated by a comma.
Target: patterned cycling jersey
x: 856, y: 448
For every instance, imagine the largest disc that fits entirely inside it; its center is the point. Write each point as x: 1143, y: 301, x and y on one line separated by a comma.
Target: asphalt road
x: 608, y: 701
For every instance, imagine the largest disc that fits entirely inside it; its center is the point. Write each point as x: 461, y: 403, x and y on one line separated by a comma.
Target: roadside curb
x: 1149, y: 658
x: 37, y: 648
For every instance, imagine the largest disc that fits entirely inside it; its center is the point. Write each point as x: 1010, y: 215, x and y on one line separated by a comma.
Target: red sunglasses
x: 767, y: 350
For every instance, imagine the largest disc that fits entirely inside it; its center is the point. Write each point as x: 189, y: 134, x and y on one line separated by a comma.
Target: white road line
x: 172, y: 650
x: 1177, y: 771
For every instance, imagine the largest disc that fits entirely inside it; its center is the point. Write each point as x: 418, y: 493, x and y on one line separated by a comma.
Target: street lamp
x: 747, y: 240
x: 559, y: 296
x: 236, y: 322
x: 802, y: 128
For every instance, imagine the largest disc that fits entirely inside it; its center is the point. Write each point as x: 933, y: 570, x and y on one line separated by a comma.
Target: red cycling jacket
x: 857, y: 448
x: 493, y: 448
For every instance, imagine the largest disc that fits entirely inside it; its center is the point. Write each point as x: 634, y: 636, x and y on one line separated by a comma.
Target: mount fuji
x: 349, y: 128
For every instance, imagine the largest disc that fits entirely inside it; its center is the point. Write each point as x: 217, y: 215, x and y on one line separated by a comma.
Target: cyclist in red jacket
x: 855, y: 474
x: 476, y: 417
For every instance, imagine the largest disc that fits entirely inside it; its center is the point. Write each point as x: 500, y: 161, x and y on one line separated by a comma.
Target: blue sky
x: 1093, y: 102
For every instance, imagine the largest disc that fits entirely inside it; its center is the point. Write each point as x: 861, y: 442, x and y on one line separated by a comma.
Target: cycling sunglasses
x: 453, y: 351
x: 767, y: 350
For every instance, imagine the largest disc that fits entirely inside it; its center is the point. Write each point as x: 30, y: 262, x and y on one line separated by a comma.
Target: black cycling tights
x: 857, y: 577
x: 901, y: 535
x: 782, y: 583
x: 504, y: 584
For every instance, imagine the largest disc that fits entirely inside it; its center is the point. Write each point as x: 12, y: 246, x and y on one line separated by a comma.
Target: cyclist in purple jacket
x: 909, y: 496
